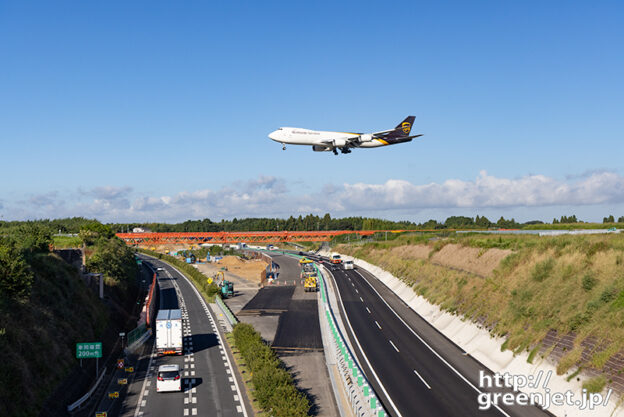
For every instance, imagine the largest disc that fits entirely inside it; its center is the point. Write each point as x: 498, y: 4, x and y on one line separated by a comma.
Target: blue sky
x: 132, y: 111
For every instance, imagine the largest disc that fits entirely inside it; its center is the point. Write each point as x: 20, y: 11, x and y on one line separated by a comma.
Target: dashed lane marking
x: 378, y: 326
x: 422, y: 379
x: 393, y: 345
x: 369, y: 312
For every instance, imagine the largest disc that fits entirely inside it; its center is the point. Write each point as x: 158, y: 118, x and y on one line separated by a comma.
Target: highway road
x: 209, y: 382
x: 414, y: 369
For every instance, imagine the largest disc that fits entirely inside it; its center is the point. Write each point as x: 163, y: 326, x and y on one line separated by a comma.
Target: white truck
x: 169, y: 332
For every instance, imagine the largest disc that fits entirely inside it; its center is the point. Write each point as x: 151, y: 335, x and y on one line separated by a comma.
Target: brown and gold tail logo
x: 406, y: 127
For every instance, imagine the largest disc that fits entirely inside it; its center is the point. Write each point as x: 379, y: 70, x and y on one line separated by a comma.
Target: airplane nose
x: 273, y: 135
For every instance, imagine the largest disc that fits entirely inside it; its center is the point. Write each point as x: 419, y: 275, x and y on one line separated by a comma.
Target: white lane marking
x: 186, y: 412
x: 149, y: 366
x: 361, y: 299
x: 192, y: 365
x: 357, y: 342
x: 393, y: 345
x: 368, y: 310
x: 357, y: 291
x: 353, y: 285
x: 238, y: 408
x: 194, y: 412
x: 149, y: 383
x: 377, y: 324
x: 236, y: 398
x: 429, y: 347
x: 233, y: 387
x: 143, y: 403
x: 194, y: 400
x: 422, y: 379
x: 228, y: 371
x: 146, y: 392
x: 230, y: 379
x: 194, y: 390
x: 186, y: 400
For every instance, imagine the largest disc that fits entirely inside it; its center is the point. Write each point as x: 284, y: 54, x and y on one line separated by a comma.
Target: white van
x: 168, y: 378
x: 347, y: 264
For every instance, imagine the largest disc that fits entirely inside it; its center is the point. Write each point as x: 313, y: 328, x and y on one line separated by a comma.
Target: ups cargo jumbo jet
x: 332, y: 141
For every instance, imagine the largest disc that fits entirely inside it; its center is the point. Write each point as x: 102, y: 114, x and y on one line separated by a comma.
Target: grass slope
x: 38, y: 335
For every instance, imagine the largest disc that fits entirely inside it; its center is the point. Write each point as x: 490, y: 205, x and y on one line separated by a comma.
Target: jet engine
x: 366, y: 138
x: 317, y: 148
x: 339, y: 143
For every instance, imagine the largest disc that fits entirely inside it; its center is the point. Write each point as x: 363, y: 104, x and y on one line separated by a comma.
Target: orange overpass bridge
x: 240, y: 237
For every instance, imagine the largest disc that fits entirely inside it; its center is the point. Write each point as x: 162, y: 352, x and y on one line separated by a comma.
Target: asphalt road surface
x: 413, y: 368
x: 209, y: 384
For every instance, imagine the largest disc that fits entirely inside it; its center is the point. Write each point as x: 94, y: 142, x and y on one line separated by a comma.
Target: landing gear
x: 345, y: 150
x: 284, y: 147
x: 335, y: 151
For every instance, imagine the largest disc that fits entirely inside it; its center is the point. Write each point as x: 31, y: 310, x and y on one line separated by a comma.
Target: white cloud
x: 271, y: 197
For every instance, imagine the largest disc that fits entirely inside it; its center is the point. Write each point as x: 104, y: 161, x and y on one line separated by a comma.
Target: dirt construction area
x: 235, y: 268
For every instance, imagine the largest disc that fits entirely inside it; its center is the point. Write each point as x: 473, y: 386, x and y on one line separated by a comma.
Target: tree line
x: 309, y: 222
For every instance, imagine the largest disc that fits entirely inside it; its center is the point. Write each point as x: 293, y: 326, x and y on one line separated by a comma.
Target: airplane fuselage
x: 299, y: 136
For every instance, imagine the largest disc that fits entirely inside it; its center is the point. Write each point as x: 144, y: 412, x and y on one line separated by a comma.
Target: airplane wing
x: 382, y: 133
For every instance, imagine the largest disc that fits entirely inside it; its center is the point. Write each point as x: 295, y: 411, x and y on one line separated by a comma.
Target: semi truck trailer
x: 169, y: 332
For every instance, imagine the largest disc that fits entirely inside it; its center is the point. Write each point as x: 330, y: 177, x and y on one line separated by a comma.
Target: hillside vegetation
x: 46, y: 308
x: 569, y: 284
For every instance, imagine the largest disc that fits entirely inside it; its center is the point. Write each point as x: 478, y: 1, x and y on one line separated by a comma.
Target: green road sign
x: 89, y: 350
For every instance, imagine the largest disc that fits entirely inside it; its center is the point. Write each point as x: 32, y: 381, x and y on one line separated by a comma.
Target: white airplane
x: 332, y: 141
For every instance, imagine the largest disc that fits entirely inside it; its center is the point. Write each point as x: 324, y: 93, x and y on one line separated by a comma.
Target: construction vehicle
x: 308, y: 275
x: 227, y: 289
x: 310, y: 283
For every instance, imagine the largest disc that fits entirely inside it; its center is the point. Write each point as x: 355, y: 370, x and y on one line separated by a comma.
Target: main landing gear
x: 284, y: 147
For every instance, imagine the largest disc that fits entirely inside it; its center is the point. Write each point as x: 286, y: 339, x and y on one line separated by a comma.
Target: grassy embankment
x: 38, y: 334
x: 46, y: 308
x: 571, y: 284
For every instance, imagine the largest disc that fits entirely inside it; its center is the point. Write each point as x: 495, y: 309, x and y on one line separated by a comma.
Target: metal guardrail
x: 363, y: 400
x: 85, y: 397
x: 226, y: 310
x: 136, y: 334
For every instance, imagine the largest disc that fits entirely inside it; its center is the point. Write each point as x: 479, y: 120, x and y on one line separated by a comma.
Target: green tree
x: 16, y: 277
x: 609, y: 219
x: 31, y: 238
x: 114, y: 259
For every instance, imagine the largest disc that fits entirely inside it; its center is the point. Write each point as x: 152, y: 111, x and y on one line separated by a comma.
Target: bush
x: 274, y: 387
x: 596, y: 384
x: 542, y: 270
x: 588, y: 282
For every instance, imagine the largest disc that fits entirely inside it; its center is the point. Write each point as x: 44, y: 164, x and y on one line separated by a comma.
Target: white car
x: 348, y: 265
x: 168, y: 378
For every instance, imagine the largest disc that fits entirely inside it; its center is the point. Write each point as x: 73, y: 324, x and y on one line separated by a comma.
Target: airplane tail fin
x: 405, y: 126
x: 402, y: 130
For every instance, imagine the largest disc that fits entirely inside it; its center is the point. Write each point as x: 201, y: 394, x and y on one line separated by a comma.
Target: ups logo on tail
x: 406, y: 127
